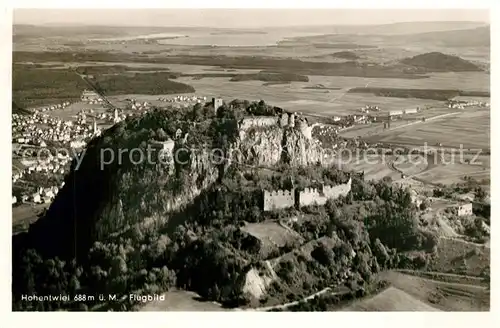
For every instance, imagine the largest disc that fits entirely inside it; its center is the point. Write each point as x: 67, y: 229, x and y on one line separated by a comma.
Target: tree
x: 424, y: 205
x: 480, y: 193
x: 161, y: 134
x: 381, y: 253
x: 74, y: 285
x: 323, y: 255
x: 197, y: 112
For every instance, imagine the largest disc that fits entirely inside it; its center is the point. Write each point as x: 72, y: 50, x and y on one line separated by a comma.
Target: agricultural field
x: 469, y: 128
x: 295, y: 96
x: 411, y: 164
x: 412, y: 293
x: 453, y: 173
x: 391, y: 299
x: 376, y: 167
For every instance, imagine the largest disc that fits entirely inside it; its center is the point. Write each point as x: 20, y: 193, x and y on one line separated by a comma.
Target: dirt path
x: 415, y: 272
x: 454, y: 275
x: 467, y: 242
x: 422, y: 122
x: 452, y: 284
x: 287, y: 305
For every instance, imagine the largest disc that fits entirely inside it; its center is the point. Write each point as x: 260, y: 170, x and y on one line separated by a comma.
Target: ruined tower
x: 291, y: 120
x: 217, y: 102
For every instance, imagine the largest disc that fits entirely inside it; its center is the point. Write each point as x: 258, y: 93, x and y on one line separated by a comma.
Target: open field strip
x: 466, y: 129
x: 294, y: 97
x: 374, y: 167
x: 453, y: 173
x: 441, y: 295
x: 446, y: 277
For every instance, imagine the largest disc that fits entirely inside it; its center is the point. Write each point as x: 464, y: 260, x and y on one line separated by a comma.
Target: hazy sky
x: 241, y: 17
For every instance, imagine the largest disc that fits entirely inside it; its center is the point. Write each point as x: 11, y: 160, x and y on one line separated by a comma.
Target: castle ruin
x: 279, y: 199
x: 315, y: 196
x: 217, y: 102
x: 282, y: 199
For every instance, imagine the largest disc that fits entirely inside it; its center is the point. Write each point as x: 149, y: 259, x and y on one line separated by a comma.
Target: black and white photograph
x: 258, y: 160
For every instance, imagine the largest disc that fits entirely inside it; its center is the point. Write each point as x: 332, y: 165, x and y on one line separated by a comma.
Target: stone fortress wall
x: 279, y: 199
x: 282, y: 199
x: 315, y: 196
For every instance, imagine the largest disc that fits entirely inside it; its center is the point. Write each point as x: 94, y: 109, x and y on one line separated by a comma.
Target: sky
x: 241, y: 18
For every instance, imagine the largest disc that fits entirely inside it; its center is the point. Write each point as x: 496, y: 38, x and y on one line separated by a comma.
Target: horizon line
x: 486, y: 23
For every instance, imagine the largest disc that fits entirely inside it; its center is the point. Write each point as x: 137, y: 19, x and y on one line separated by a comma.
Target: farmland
x: 470, y: 128
x: 391, y: 299
x: 375, y: 167
x: 332, y: 99
x: 452, y: 173
x: 416, y: 293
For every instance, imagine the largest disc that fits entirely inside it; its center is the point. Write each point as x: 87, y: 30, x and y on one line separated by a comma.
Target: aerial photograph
x: 272, y: 160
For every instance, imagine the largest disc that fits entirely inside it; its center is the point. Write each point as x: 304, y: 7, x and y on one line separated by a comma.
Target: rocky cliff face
x: 98, y: 203
x: 155, y: 194
x: 274, y: 145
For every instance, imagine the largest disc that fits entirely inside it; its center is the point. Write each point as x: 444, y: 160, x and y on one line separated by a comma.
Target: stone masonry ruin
x: 282, y: 199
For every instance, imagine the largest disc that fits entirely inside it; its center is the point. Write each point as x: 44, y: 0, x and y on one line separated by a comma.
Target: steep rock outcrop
x: 100, y: 202
x: 270, y: 146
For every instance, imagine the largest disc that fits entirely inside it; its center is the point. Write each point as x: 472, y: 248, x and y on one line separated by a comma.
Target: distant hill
x: 345, y: 55
x: 400, y: 28
x: 421, y: 27
x: 439, y: 62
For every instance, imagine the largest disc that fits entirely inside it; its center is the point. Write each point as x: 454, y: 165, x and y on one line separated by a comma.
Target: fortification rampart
x: 337, y: 191
x: 282, y: 199
x: 279, y: 199
x: 314, y: 196
x: 311, y: 196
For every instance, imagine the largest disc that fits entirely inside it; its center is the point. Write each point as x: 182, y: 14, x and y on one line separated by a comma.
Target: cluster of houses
x: 28, y: 129
x: 36, y: 131
x: 51, y: 165
x: 41, y: 196
x: 114, y: 118
x: 461, y: 104
x: 370, y: 108
x: 91, y: 97
x: 182, y: 99
x: 136, y: 105
x: 52, y: 107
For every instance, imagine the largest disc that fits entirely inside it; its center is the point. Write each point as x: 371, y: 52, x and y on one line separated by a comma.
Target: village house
x: 464, y: 209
